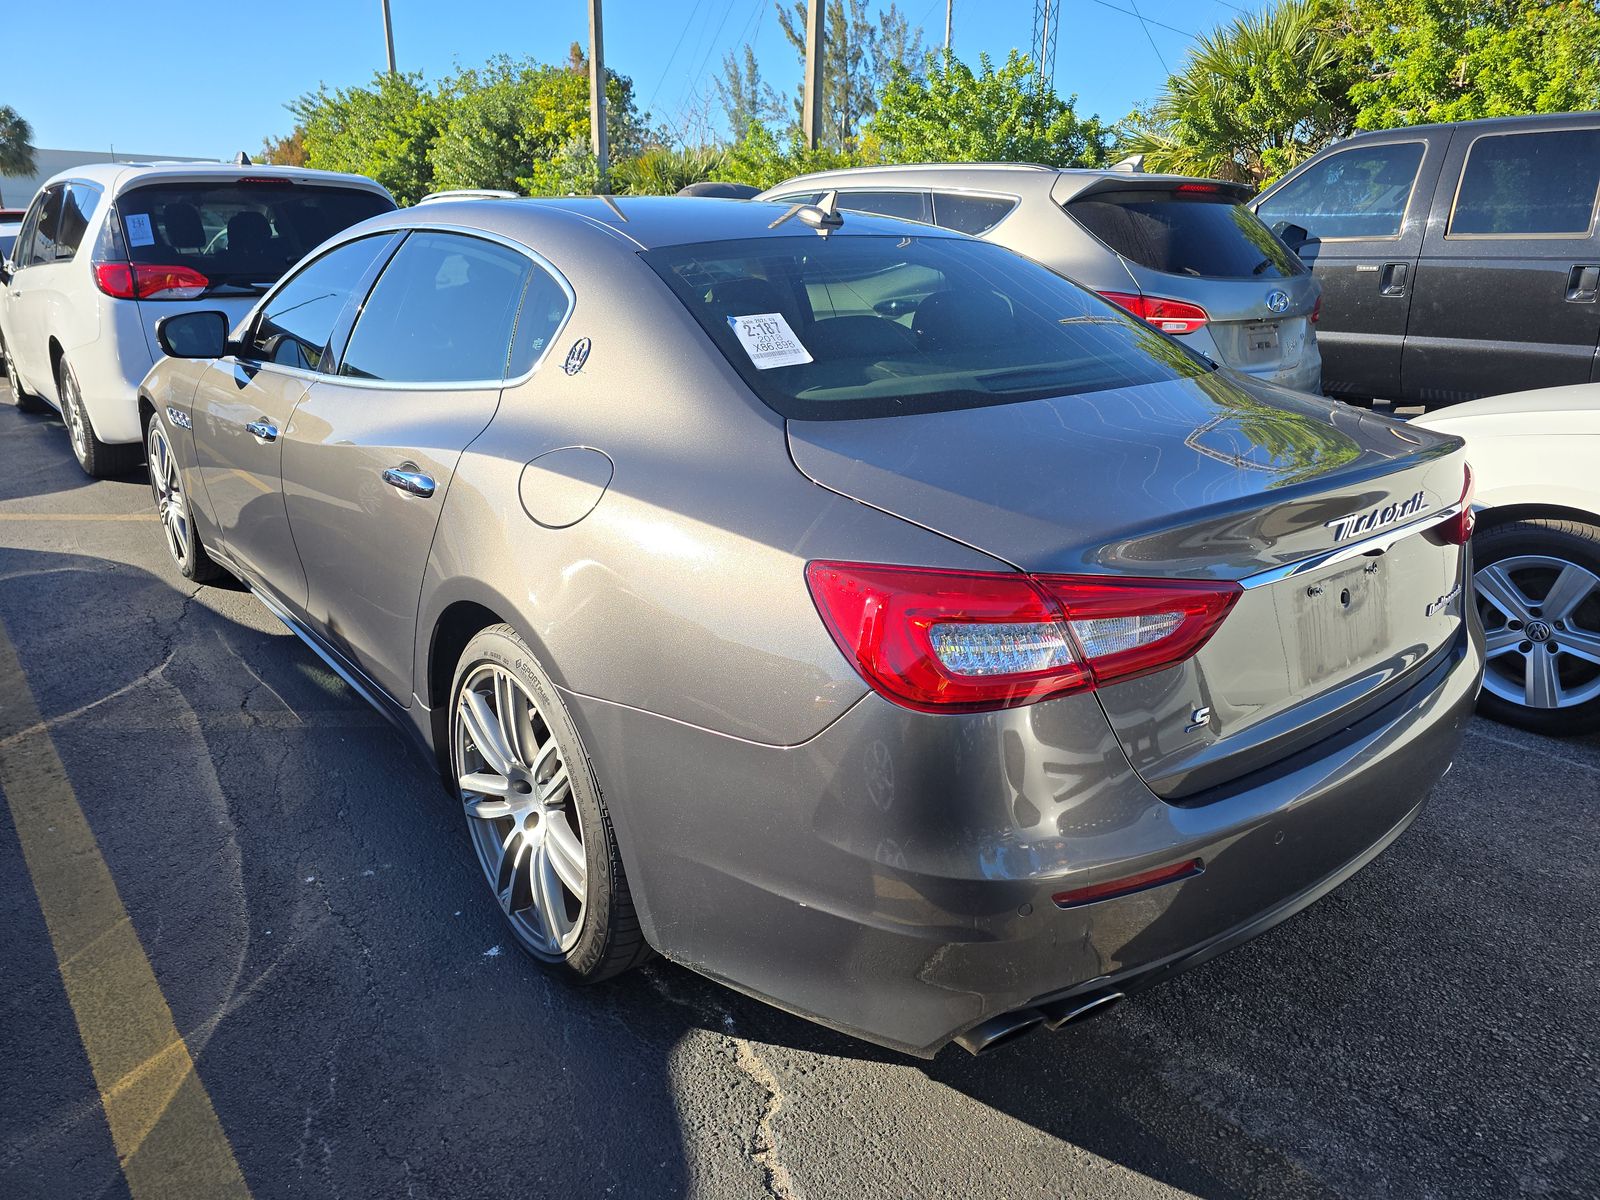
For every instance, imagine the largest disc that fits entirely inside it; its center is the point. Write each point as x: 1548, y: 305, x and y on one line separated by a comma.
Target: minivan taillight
x: 149, y: 281
x: 1457, y: 531
x: 938, y: 640
x: 1169, y: 316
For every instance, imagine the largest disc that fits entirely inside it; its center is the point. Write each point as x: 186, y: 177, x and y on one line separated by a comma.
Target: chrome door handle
x: 409, y: 480
x: 264, y: 431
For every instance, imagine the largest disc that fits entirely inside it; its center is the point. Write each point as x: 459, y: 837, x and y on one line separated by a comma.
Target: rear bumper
x: 893, y: 877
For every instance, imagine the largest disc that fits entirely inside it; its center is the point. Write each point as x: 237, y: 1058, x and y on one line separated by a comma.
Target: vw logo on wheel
x: 1539, y: 631
x: 1278, y: 301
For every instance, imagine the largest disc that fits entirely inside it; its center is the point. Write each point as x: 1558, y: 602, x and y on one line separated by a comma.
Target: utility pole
x: 948, y: 5
x: 388, y: 35
x: 811, y: 123
x: 597, y: 95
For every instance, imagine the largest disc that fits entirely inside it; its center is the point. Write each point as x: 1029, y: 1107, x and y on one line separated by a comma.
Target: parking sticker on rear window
x: 140, y: 231
x: 768, y: 340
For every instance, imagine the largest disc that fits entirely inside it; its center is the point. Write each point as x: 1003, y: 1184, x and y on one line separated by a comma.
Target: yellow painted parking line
x: 165, y: 1130
x: 25, y: 516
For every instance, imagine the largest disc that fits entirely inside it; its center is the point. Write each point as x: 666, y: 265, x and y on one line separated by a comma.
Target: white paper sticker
x: 768, y: 340
x: 140, y: 231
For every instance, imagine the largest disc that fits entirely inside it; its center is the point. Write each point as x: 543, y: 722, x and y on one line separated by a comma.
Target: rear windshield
x: 860, y: 326
x: 238, y: 235
x: 1186, y: 234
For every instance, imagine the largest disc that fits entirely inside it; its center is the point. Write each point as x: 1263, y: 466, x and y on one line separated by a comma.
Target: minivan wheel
x: 21, y: 397
x: 535, y: 814
x: 103, y: 460
x: 172, y: 507
x: 1538, y: 589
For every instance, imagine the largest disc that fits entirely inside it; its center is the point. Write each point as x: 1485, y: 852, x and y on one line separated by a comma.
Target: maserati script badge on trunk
x: 1364, y: 522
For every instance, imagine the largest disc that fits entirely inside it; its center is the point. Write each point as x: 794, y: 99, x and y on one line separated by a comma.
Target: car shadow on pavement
x: 316, y: 920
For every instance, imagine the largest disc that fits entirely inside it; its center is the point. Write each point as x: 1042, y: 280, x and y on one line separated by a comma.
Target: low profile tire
x: 102, y: 460
x: 172, y: 508
x: 21, y: 398
x: 535, y: 815
x: 1538, y: 589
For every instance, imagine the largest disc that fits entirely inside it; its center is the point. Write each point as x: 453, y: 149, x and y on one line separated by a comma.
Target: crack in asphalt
x: 764, y: 1150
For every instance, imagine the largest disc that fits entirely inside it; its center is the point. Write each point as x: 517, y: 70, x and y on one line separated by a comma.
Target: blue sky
x: 209, y: 79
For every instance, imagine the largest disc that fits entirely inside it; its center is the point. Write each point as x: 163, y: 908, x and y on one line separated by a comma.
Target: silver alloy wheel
x: 167, y: 486
x: 520, y: 809
x: 71, y: 414
x: 1543, y: 641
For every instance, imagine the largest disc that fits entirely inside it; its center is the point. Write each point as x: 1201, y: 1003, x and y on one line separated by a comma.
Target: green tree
x: 1253, y: 98
x: 286, y: 151
x: 16, y: 143
x: 1417, y: 61
x: 858, y: 55
x: 951, y: 113
x: 507, y: 123
x: 744, y: 96
x: 761, y: 158
x: 385, y: 130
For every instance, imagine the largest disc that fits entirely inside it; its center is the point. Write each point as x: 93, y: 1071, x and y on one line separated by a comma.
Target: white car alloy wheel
x: 72, y: 416
x: 1540, y: 653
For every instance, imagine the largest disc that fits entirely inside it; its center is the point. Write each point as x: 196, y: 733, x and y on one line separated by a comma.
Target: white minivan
x: 107, y: 250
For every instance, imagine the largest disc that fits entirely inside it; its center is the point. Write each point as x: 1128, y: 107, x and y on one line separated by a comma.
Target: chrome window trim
x: 1405, y: 212
x: 464, y: 385
x: 1466, y: 161
x: 1376, y: 544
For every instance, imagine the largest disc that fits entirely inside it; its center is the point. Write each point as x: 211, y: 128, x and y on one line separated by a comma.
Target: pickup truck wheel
x: 21, y: 397
x: 102, y: 460
x: 535, y: 814
x: 1538, y: 592
x: 172, y: 508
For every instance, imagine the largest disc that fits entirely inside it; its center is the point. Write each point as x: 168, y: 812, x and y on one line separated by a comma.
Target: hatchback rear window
x: 1179, y: 233
x: 862, y: 326
x: 238, y: 235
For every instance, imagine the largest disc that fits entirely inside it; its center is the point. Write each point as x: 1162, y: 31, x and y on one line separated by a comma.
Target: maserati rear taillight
x: 1169, y: 316
x: 1457, y: 531
x: 148, y: 281
x: 939, y: 640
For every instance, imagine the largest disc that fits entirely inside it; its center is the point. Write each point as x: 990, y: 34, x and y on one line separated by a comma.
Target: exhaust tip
x: 1070, y: 1012
x: 997, y: 1031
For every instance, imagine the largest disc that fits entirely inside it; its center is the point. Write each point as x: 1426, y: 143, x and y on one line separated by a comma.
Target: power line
x: 1127, y: 12
x: 663, y: 76
x: 1149, y: 37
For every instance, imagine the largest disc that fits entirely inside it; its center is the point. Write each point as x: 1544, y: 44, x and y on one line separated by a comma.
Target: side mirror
x: 194, y: 334
x: 1291, y: 235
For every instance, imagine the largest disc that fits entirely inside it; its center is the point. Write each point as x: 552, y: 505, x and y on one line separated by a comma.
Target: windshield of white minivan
x: 859, y: 326
x: 238, y: 234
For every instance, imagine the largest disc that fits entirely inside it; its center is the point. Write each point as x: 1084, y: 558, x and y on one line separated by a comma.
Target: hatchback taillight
x: 940, y: 641
x: 1169, y: 316
x: 149, y: 281
x: 1457, y: 531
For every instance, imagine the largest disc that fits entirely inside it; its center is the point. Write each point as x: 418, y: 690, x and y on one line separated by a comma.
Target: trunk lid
x: 1207, y: 478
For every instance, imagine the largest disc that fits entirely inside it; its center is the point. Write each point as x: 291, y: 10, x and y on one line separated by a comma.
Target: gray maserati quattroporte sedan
x: 848, y: 609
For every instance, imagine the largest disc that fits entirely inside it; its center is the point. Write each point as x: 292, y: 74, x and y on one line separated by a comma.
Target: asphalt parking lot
x: 316, y: 928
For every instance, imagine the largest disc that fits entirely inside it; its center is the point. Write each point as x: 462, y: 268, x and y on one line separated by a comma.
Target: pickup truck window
x: 1529, y: 184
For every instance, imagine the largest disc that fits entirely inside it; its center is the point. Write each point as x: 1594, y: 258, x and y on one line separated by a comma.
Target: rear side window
x: 240, y: 236
x: 1361, y: 192
x: 297, y: 323
x: 1198, y: 234
x: 969, y: 214
x: 908, y: 206
x: 443, y: 311
x: 77, y: 206
x: 866, y: 326
x: 39, y: 234
x: 1529, y: 183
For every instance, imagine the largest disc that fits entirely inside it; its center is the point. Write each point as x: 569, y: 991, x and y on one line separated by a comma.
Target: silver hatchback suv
x: 1184, y: 254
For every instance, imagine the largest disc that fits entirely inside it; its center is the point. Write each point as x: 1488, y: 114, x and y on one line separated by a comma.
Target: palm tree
x: 16, y: 152
x: 1254, y: 98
